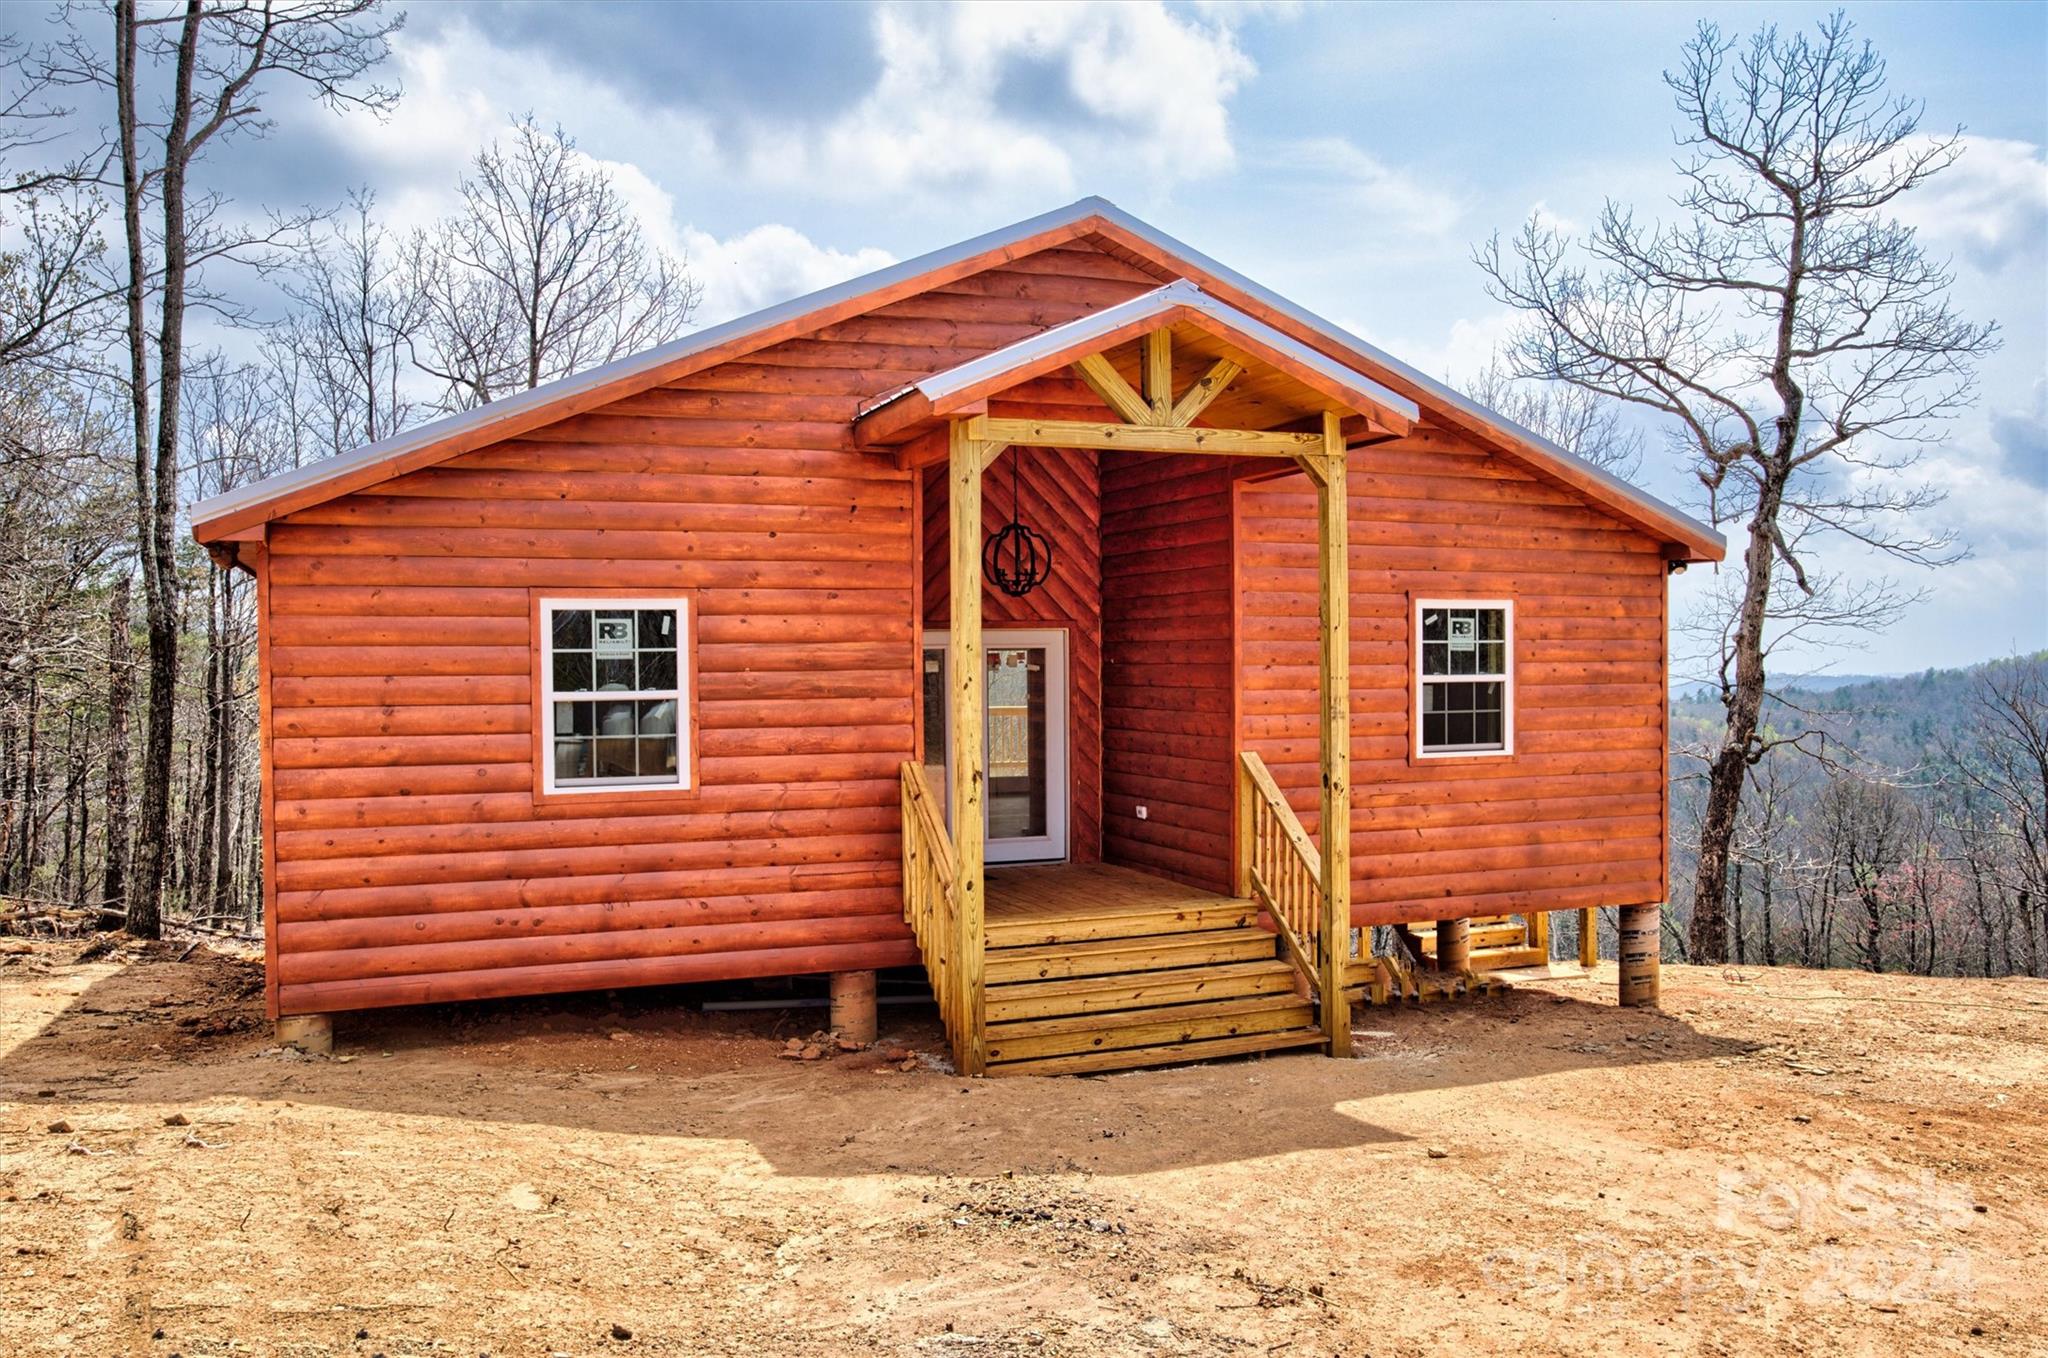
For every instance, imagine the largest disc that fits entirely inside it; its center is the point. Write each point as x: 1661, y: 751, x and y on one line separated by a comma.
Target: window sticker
x: 614, y: 638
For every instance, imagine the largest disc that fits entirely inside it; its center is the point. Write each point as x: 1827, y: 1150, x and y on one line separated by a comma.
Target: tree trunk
x: 120, y: 697
x: 1770, y: 936
x: 226, y: 790
x: 1735, y: 901
x: 1744, y: 703
x: 81, y: 881
x: 231, y: 752
x: 2029, y: 949
x: 60, y: 888
x: 199, y: 887
x: 1873, y: 928
x: 21, y: 861
x: 156, y: 459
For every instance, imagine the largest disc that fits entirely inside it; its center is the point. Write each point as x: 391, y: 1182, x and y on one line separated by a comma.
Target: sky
x: 1348, y: 156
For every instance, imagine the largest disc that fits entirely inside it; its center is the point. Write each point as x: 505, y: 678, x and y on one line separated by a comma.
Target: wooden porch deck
x: 1061, y: 902
x: 1091, y: 968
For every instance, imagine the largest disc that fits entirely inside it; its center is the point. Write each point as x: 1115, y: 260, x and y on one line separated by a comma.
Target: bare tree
x: 2007, y: 767
x: 49, y: 285
x: 1796, y: 335
x: 542, y: 272
x: 1580, y: 421
x: 208, y: 65
x: 349, y: 338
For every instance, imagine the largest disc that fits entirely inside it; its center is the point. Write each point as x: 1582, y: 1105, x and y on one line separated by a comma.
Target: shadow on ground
x: 156, y: 1030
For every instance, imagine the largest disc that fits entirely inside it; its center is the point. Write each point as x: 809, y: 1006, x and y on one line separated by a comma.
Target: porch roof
x: 1300, y: 381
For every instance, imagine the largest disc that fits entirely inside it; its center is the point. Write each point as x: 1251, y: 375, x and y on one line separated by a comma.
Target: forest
x: 161, y: 342
x: 1895, y: 824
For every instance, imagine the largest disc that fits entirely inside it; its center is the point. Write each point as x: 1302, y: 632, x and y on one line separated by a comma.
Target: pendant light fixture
x: 1017, y: 558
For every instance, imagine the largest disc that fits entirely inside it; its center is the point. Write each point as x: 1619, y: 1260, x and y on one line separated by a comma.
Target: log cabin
x: 1060, y: 612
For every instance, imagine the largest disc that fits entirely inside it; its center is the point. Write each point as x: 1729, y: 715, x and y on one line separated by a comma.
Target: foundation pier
x: 853, y: 1005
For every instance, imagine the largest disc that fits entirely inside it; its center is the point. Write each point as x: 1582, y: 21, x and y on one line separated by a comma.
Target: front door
x: 1024, y: 739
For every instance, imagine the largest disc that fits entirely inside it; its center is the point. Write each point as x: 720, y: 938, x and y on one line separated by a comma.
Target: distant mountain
x: 1897, y: 720
x: 1804, y: 683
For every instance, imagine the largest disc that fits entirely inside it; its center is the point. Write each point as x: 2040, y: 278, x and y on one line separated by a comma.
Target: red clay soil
x: 1780, y: 1162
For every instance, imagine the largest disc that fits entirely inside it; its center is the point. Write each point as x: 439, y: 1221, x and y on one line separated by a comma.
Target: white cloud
x: 1390, y: 201
x: 1020, y: 100
x: 999, y: 104
x: 1549, y: 220
x: 1455, y: 355
x: 769, y: 264
x: 745, y: 272
x: 453, y: 108
x: 1991, y: 206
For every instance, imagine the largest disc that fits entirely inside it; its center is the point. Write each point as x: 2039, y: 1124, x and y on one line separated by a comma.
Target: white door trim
x: 1050, y: 847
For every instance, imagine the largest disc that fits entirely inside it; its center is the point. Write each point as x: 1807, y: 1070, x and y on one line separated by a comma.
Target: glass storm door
x: 1024, y: 730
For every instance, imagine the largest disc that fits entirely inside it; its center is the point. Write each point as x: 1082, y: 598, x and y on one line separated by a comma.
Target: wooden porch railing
x: 1283, y: 870
x: 931, y: 907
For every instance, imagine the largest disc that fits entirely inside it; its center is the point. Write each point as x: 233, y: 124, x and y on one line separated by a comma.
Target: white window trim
x: 685, y: 735
x: 1507, y: 680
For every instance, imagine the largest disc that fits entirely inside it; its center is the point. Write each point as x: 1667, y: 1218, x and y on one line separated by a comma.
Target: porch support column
x: 1333, y: 556
x: 967, y: 453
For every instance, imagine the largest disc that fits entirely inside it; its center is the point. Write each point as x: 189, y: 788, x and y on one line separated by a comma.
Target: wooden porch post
x: 966, y: 456
x: 1333, y: 561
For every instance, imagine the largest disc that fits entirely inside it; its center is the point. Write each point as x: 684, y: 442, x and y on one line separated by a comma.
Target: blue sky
x: 1349, y: 156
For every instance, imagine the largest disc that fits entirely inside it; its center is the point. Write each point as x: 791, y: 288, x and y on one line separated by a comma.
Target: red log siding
x: 1576, y: 816
x: 412, y: 863
x: 1061, y: 500
x: 1168, y: 705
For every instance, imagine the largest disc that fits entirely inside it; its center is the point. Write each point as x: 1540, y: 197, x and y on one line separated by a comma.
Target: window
x: 1464, y: 677
x: 615, y: 682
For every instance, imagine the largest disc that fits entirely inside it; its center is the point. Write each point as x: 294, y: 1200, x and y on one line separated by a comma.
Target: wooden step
x: 1102, y: 957
x: 1173, y: 1054
x: 1520, y: 954
x: 1150, y: 1027
x: 1084, y: 927
x: 1491, y: 936
x: 1424, y: 928
x: 1175, y: 985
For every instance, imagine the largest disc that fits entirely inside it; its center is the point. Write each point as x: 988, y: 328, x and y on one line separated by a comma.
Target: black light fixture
x: 1017, y: 558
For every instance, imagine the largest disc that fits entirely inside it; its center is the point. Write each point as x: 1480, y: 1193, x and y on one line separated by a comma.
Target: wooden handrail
x: 1281, y: 868
x: 931, y: 907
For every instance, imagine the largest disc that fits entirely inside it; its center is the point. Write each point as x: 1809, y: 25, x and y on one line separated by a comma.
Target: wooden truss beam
x: 1207, y: 388
x: 1146, y: 438
x: 1158, y: 348
x: 1105, y: 381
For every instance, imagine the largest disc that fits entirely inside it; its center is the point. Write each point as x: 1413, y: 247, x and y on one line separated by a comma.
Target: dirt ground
x: 1780, y: 1162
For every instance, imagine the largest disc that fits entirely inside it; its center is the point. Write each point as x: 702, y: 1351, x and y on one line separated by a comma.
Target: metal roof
x: 529, y: 408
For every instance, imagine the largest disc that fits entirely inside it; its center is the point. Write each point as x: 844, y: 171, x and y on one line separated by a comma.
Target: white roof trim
x: 1178, y: 294
x: 738, y: 329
